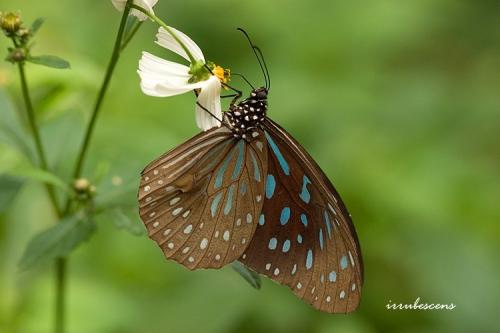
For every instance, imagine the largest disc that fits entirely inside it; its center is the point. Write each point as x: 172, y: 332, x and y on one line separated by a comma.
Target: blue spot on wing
x: 321, y: 238
x: 285, y: 215
x: 239, y: 160
x: 305, y: 195
x: 343, y: 262
x: 270, y: 186
x: 273, y: 242
x: 262, y: 219
x: 286, y: 246
x: 215, y: 203
x: 283, y: 163
x: 229, y: 200
x: 243, y: 187
x: 328, y: 224
x: 299, y: 238
x: 222, y: 169
x: 256, y: 170
x: 332, y: 277
x: 309, y: 259
x: 303, y: 219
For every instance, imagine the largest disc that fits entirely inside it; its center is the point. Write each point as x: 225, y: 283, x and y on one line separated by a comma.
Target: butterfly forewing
x: 305, y: 238
x: 199, y: 201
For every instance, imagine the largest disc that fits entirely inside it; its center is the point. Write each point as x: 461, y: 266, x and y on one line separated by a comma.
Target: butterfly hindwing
x: 199, y: 201
x: 305, y: 238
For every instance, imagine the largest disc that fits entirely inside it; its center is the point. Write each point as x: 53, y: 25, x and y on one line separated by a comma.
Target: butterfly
x: 249, y: 191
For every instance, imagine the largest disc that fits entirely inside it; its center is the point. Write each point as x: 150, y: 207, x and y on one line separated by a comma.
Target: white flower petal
x: 163, y: 78
x: 146, y: 4
x: 165, y: 39
x: 209, y: 98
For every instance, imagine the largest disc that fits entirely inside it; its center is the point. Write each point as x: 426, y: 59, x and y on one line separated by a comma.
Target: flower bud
x: 16, y: 55
x: 10, y: 22
x: 24, y: 33
x: 81, y: 185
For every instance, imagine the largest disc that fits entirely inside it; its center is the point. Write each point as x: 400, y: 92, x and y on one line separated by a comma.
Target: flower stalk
x: 102, y: 92
x: 36, y: 136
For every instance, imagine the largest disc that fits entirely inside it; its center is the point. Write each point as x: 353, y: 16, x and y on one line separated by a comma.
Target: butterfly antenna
x: 257, y: 56
x: 245, y: 79
x: 265, y: 66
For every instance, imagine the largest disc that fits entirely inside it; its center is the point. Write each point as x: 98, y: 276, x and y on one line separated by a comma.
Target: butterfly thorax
x: 246, y: 116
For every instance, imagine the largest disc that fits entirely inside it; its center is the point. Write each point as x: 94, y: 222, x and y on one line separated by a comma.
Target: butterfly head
x: 259, y: 93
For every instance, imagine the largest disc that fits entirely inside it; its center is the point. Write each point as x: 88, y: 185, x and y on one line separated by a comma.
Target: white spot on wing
x: 203, y: 243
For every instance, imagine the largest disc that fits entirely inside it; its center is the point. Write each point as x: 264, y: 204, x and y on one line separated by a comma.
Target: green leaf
x: 250, y: 276
x: 41, y: 176
x: 12, y: 131
x: 122, y: 221
x: 36, y: 25
x: 13, y: 163
x: 9, y: 186
x: 50, y: 61
x: 57, y: 241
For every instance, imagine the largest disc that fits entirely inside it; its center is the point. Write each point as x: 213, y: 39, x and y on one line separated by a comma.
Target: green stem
x: 102, y: 92
x: 60, y: 305
x: 131, y: 35
x: 156, y: 19
x: 60, y: 262
x: 36, y: 136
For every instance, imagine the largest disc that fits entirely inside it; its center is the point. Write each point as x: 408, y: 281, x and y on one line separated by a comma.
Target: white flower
x: 146, y: 4
x: 163, y: 78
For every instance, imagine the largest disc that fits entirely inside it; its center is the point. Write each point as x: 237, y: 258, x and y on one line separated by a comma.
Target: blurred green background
x: 398, y: 101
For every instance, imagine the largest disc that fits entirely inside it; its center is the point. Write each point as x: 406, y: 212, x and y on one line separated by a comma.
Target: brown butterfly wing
x: 199, y: 201
x: 305, y: 238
